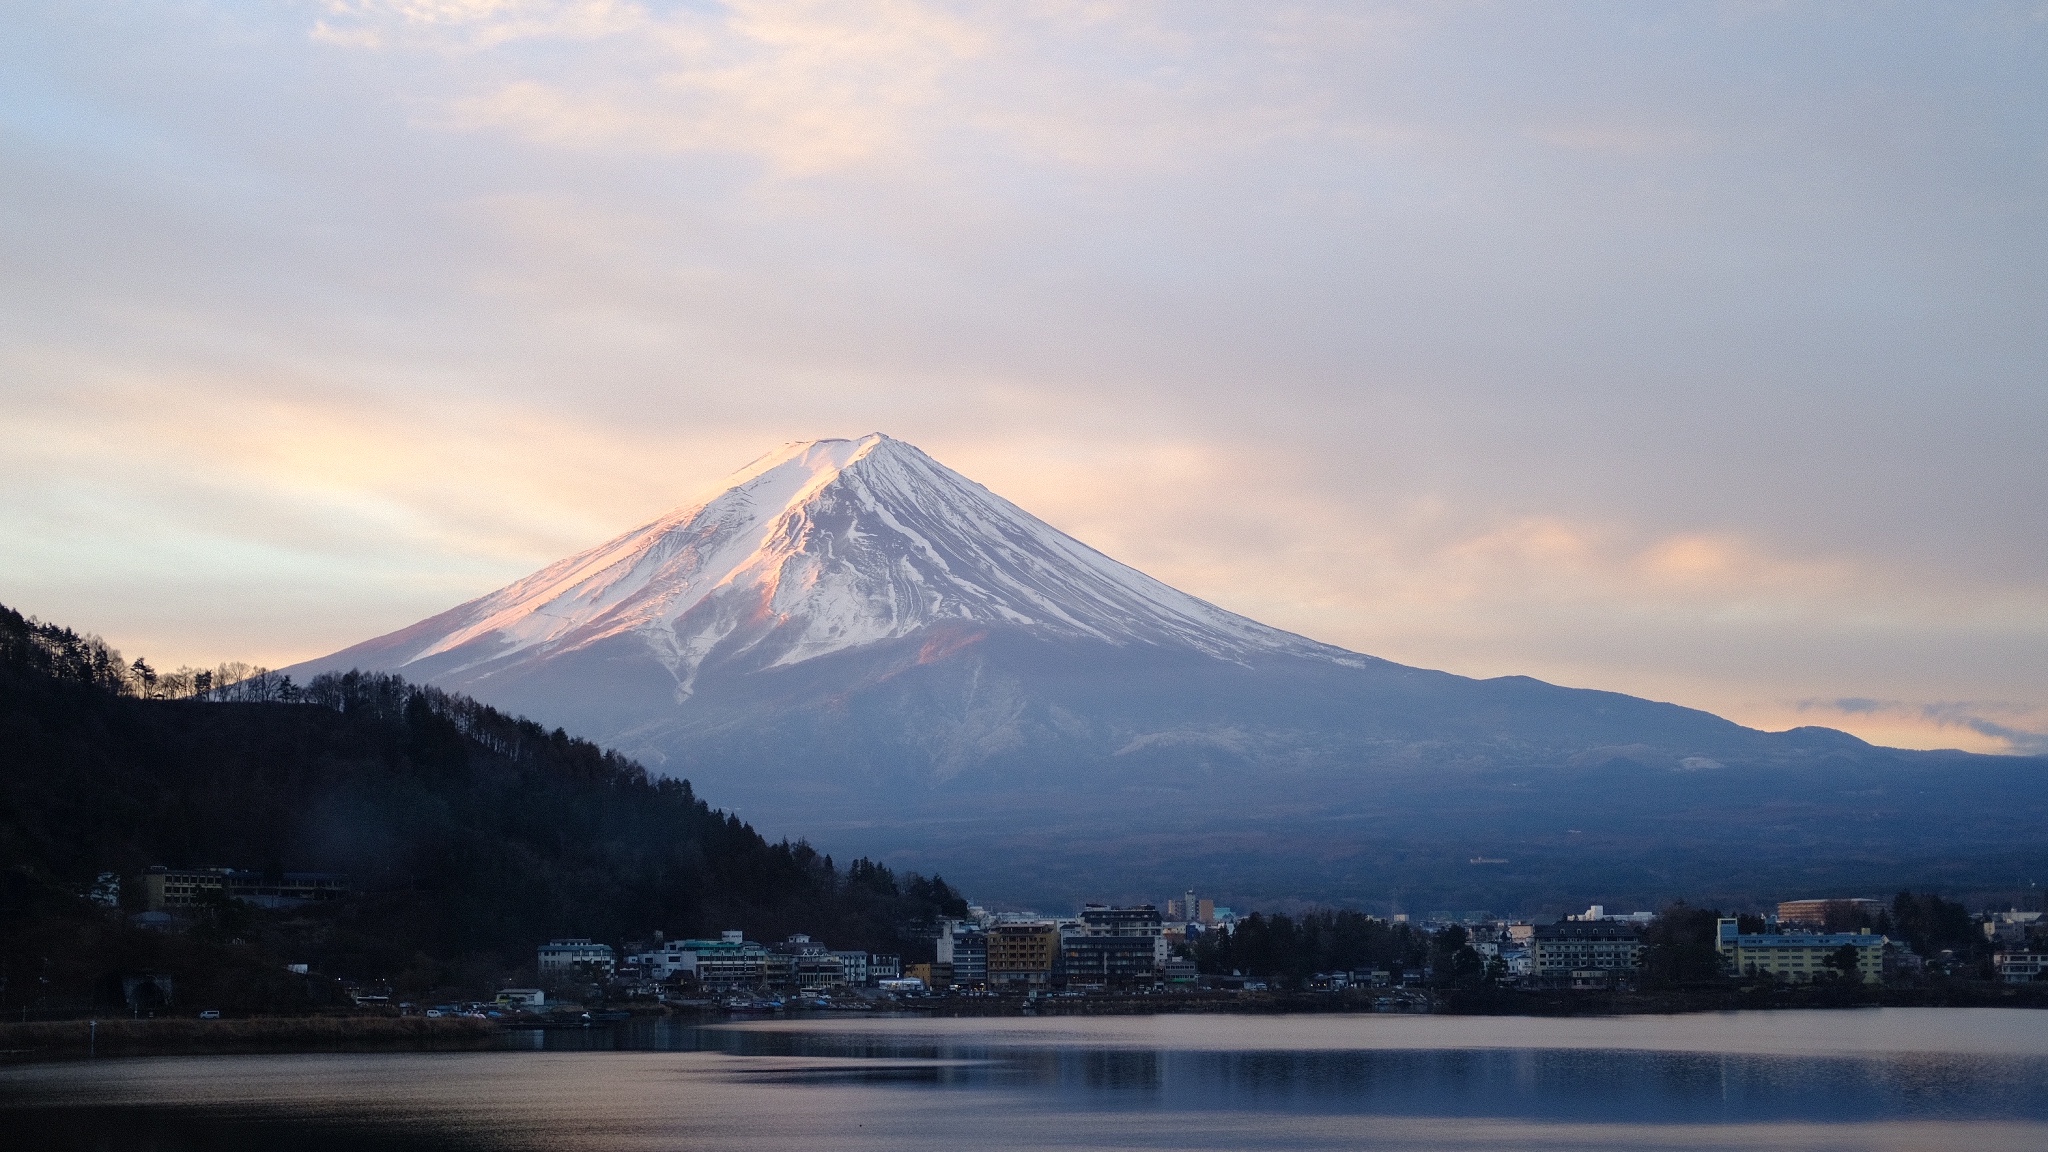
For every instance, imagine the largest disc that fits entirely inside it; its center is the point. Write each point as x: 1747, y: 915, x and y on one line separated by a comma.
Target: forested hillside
x: 469, y: 835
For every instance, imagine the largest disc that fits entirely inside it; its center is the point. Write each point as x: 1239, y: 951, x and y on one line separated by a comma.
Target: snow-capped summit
x: 819, y: 547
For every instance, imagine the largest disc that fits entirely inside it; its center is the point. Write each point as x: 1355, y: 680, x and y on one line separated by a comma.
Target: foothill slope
x: 464, y: 836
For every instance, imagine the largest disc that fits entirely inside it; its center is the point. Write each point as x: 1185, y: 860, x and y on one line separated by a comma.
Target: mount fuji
x: 851, y: 641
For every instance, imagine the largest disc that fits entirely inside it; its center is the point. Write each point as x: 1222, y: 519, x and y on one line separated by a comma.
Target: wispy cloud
x: 809, y: 86
x: 449, y: 25
x: 2022, y: 729
x: 832, y: 85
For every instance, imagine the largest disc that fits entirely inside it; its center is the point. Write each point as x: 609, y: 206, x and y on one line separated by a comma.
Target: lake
x: 1950, y: 1079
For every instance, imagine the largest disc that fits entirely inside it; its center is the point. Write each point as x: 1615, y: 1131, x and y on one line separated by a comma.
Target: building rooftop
x: 1729, y: 935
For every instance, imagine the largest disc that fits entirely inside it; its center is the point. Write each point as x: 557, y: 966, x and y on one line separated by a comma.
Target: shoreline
x: 50, y: 1040
x: 1509, y: 1001
x: 65, y: 1040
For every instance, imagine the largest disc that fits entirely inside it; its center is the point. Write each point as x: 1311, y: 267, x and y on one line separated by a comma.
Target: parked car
x: 210, y: 1014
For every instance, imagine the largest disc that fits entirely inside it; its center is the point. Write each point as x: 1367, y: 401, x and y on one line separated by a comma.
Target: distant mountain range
x: 855, y: 643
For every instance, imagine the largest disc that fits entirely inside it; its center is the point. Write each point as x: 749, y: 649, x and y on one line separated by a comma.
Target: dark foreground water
x: 1954, y: 1080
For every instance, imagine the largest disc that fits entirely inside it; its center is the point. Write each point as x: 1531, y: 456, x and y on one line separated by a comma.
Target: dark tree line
x: 1929, y: 925
x: 33, y: 647
x: 1282, y: 948
x: 1681, y: 946
x: 65, y: 655
x: 1923, y: 921
x: 469, y: 835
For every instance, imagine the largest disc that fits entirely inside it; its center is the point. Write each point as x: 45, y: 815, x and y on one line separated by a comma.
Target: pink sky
x: 1687, y: 352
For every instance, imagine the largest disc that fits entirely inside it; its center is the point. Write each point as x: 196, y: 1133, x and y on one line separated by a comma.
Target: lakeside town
x: 1190, y: 945
x: 1108, y: 948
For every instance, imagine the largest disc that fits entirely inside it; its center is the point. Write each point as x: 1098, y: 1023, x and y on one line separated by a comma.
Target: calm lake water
x: 1947, y: 1079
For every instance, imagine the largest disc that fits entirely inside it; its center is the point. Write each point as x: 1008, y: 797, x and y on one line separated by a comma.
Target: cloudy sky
x: 1698, y: 352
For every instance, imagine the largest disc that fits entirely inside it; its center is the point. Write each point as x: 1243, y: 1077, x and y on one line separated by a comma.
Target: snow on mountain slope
x: 823, y: 546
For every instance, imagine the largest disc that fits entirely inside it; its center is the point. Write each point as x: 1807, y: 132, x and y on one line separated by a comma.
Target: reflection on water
x: 1890, y: 1079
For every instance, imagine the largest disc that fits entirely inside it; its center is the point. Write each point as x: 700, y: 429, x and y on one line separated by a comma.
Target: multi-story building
x: 1600, y: 912
x: 1110, y: 961
x: 2020, y: 967
x: 805, y: 965
x: 1108, y: 920
x: 1138, y: 920
x: 2011, y: 929
x: 171, y: 889
x: 731, y: 961
x: 1112, y: 946
x: 882, y: 966
x: 854, y: 965
x: 1815, y: 912
x: 817, y: 972
x: 1190, y: 910
x: 577, y: 957
x: 1557, y: 950
x: 1022, y: 953
x: 664, y: 960
x: 1799, y: 957
x: 963, y: 947
x: 934, y: 976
